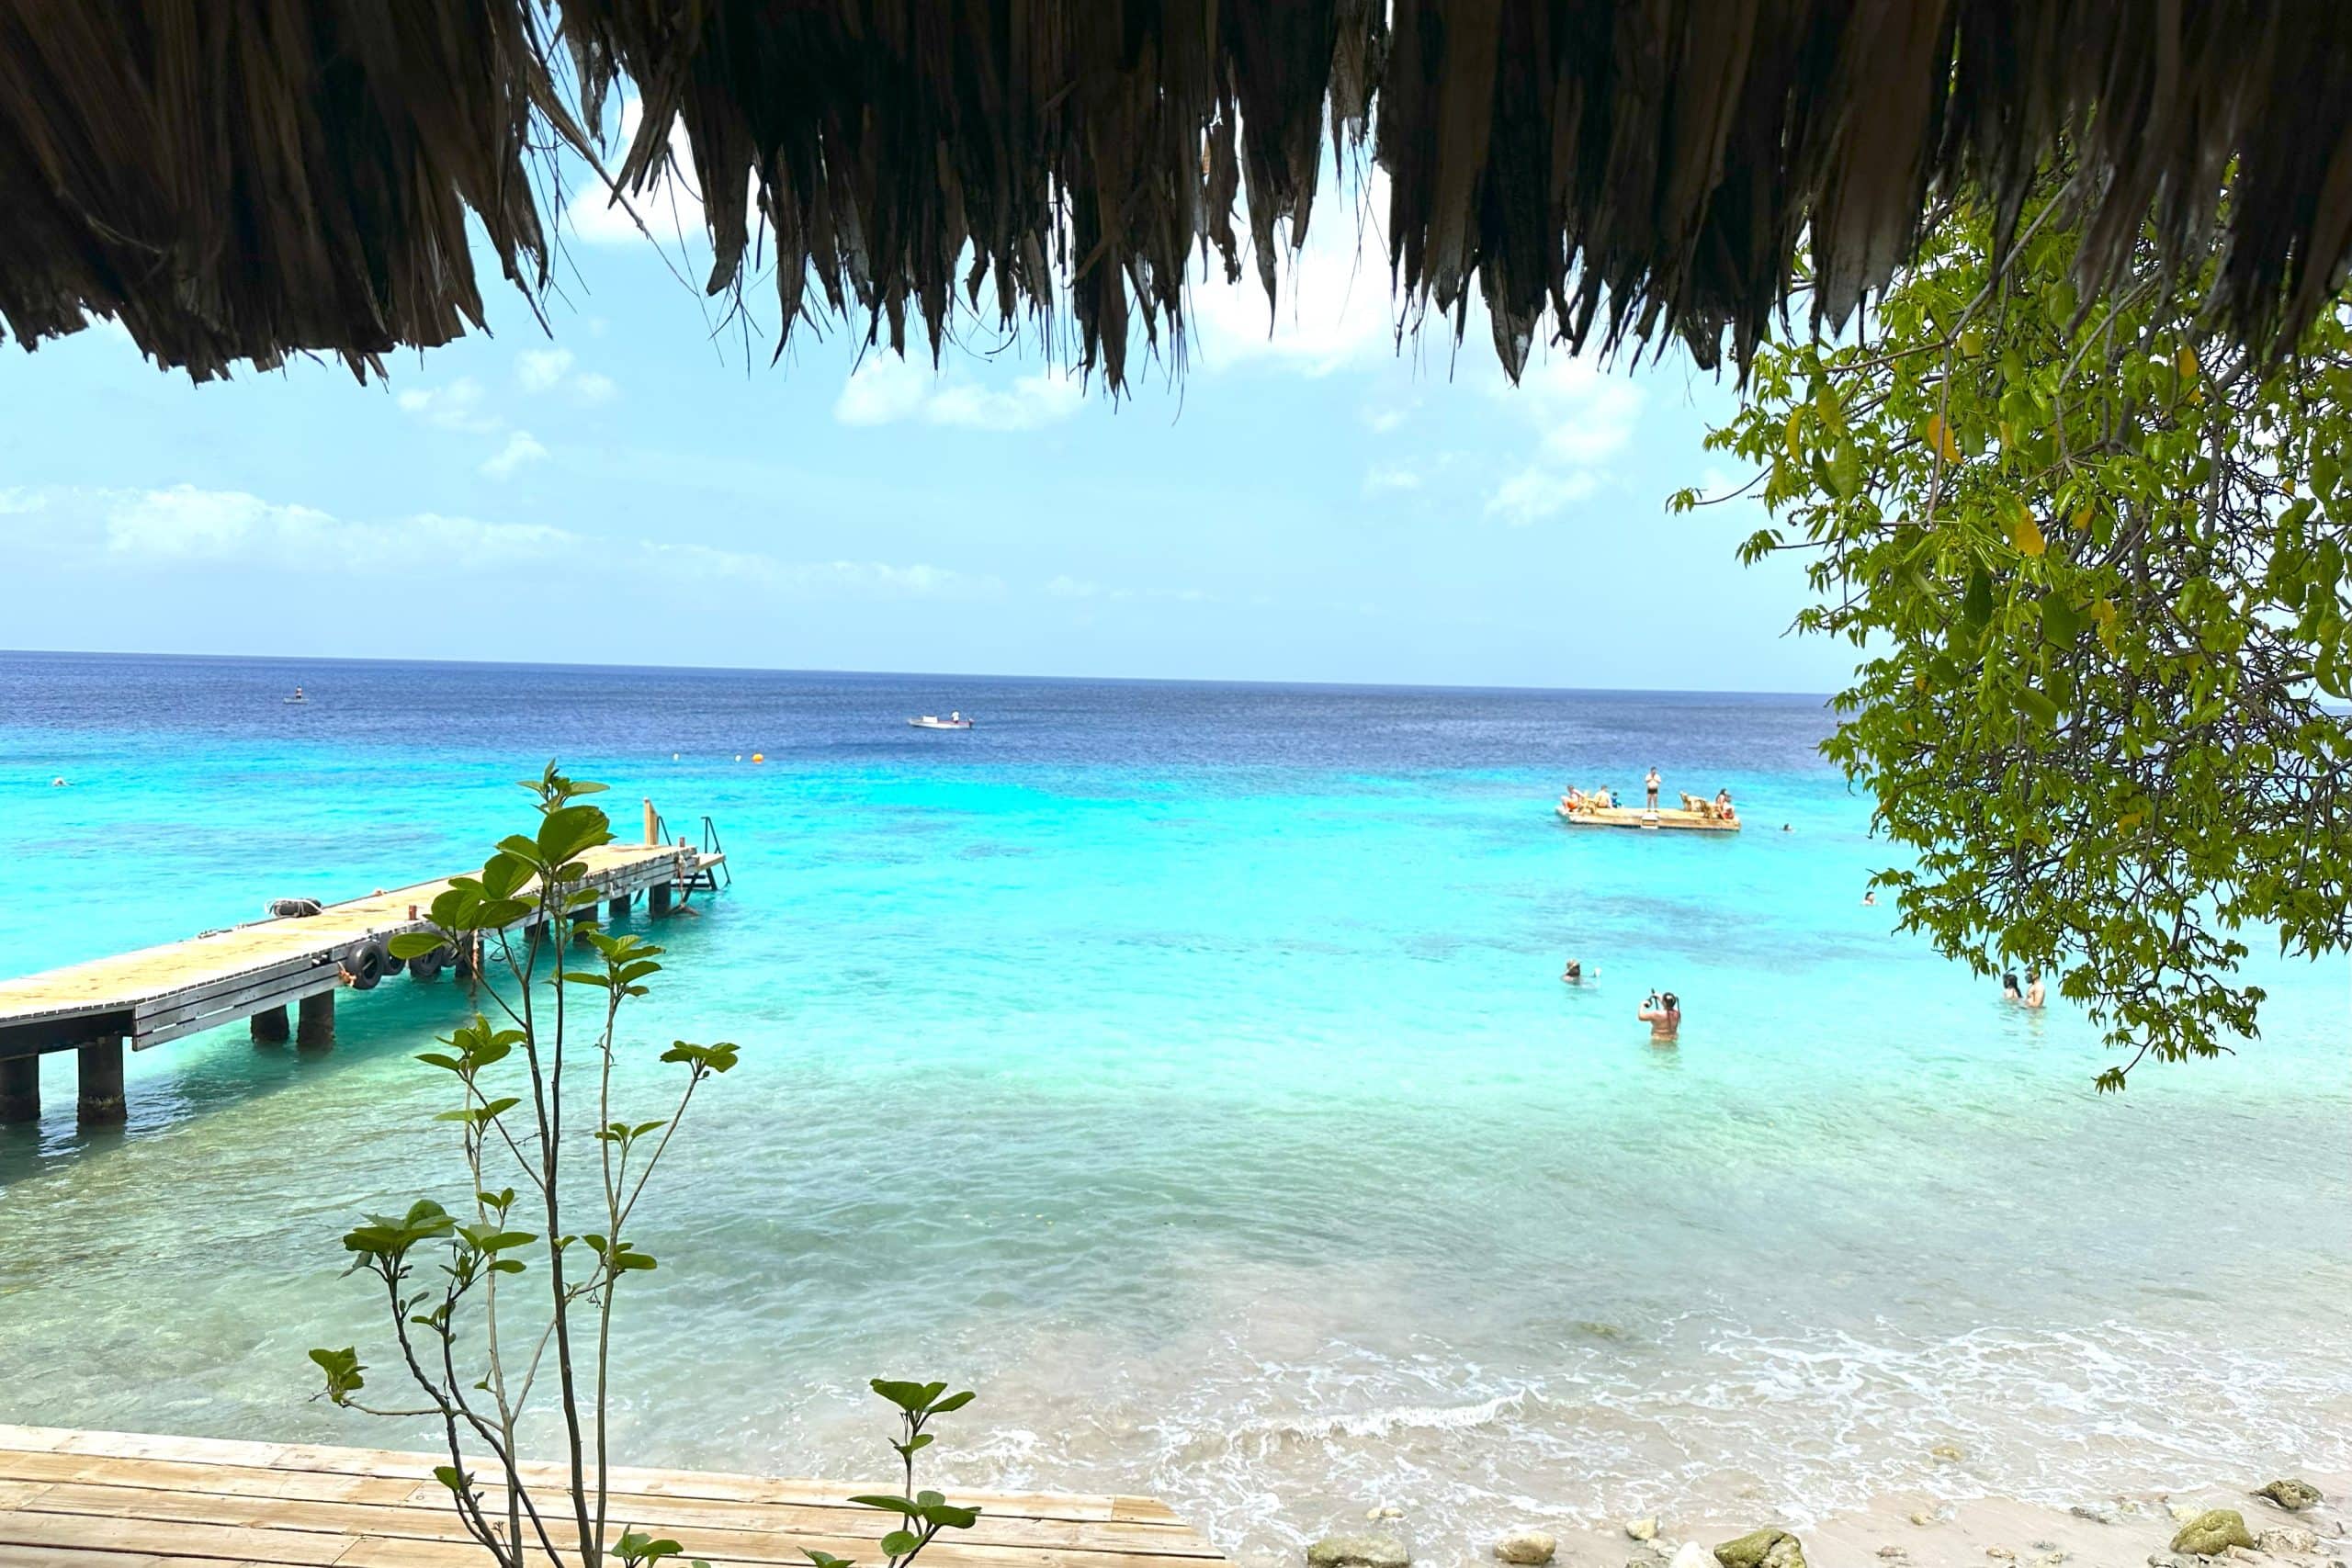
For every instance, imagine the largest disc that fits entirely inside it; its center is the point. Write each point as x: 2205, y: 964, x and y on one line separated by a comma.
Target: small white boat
x: 932, y: 721
x: 298, y: 696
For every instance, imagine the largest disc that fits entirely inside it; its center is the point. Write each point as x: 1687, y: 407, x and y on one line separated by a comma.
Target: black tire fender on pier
x: 364, y: 966
x: 426, y: 966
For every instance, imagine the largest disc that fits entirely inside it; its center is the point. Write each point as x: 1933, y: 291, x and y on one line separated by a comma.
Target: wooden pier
x: 256, y: 971
x: 73, y: 1499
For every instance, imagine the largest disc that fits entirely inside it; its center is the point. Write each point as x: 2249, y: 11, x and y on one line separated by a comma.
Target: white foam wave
x: 1378, y: 1422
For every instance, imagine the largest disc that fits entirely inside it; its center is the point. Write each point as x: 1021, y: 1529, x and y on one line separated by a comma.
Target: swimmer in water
x: 1663, y: 1013
x: 1574, y: 973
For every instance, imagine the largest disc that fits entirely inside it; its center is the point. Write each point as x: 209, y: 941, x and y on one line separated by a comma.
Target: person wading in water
x: 1663, y: 1013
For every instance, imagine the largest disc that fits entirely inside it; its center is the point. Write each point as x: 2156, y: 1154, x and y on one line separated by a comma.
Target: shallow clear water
x: 1185, y: 1067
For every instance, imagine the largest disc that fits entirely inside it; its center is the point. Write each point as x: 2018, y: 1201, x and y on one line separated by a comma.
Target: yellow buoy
x: 759, y: 756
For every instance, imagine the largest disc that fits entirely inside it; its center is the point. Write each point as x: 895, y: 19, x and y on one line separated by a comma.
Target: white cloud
x: 671, y: 206
x: 458, y: 406
x: 1086, y: 589
x: 880, y: 579
x: 184, y: 527
x: 1536, y: 492
x: 1332, y: 307
x: 520, y: 447
x: 1585, y: 413
x: 1389, y: 477
x: 886, y: 389
x: 542, y: 369
x: 1047, y: 397
x: 550, y: 369
x: 1380, y: 422
x: 1583, y: 417
x: 883, y: 389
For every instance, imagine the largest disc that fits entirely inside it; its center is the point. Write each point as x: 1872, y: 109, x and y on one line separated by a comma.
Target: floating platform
x: 1665, y: 816
x: 74, y: 1499
x: 159, y: 994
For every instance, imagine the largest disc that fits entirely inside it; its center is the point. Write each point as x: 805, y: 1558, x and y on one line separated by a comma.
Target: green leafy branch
x: 921, y: 1514
x: 532, y: 898
x: 2092, y: 568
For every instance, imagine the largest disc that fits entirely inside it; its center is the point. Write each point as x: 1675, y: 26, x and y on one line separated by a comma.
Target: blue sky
x: 1307, y: 503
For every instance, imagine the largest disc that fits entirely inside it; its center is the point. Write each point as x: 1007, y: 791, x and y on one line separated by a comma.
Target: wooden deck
x: 74, y: 1499
x: 254, y: 971
x: 161, y: 993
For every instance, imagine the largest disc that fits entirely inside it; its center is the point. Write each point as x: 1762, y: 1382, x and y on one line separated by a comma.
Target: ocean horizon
x: 1185, y: 1067
x: 279, y: 662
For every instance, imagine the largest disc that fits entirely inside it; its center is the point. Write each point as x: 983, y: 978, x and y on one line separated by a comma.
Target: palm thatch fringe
x: 244, y: 179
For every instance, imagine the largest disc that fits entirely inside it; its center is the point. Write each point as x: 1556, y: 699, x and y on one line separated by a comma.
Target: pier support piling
x: 657, y: 899
x: 269, y: 1026
x: 314, y: 1020
x: 100, y: 1104
x: 20, y: 1089
x: 616, y: 907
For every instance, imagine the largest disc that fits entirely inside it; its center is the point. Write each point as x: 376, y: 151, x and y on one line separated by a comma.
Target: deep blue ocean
x: 1186, y: 1067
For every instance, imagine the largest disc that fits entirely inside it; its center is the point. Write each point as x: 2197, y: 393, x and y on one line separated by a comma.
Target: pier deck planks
x: 117, y: 1500
x: 162, y: 992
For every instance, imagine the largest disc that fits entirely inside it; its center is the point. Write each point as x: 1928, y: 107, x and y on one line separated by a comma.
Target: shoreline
x: 1915, y: 1530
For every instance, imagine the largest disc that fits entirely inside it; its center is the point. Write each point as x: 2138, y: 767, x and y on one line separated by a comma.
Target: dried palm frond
x: 249, y: 178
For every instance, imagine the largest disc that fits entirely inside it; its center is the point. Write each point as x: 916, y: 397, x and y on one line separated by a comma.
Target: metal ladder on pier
x: 706, y: 878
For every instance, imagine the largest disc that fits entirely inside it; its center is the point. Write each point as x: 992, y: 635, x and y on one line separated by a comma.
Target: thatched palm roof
x: 244, y: 179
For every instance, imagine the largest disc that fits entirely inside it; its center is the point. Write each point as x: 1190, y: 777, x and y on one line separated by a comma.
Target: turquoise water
x: 1186, y: 1069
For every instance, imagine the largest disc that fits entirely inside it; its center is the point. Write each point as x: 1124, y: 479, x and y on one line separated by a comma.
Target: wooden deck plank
x: 281, y: 1548
x: 99, y: 1557
x: 715, y: 1485
x: 83, y: 1499
x: 23, y: 1472
x: 767, y: 1542
x: 19, y: 1465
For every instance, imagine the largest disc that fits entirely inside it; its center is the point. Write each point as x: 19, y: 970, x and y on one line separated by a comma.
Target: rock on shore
x: 1527, y: 1547
x: 2291, y: 1495
x: 2212, y: 1533
x: 1763, y: 1549
x: 1358, y: 1551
